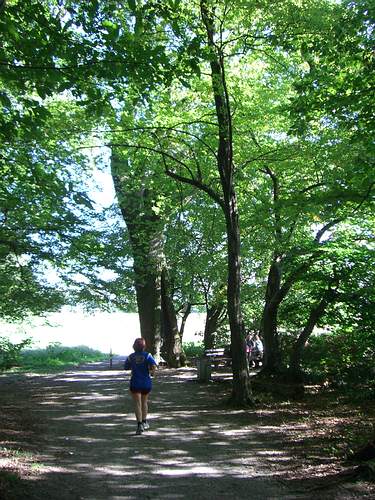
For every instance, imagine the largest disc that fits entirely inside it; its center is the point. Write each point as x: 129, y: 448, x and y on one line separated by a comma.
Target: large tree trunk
x: 145, y: 234
x: 276, y: 292
x: 241, y: 391
x: 214, y: 318
x: 172, y: 345
x: 272, y: 355
x: 186, y: 310
x: 149, y: 311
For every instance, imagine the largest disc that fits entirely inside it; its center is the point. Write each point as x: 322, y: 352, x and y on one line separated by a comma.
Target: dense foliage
x: 193, y: 349
x: 10, y: 353
x: 240, y: 131
x: 342, y: 357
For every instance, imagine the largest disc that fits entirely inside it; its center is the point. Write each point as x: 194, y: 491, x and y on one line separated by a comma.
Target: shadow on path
x: 196, y: 448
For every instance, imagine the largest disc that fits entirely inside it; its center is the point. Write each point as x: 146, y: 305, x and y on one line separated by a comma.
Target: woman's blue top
x: 139, y: 363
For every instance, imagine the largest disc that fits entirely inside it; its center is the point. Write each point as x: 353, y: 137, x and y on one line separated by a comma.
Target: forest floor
x: 71, y: 436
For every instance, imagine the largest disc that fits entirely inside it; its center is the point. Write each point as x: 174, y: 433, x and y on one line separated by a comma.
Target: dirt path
x: 83, y: 432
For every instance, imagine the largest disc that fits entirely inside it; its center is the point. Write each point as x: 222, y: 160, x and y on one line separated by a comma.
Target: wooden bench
x: 211, y: 358
x: 217, y: 357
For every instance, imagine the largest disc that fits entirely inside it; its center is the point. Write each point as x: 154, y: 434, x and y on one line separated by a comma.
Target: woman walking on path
x: 142, y: 365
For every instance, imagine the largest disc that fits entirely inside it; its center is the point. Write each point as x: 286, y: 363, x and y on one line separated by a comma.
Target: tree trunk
x: 149, y: 311
x: 172, y: 345
x: 185, y: 314
x: 241, y: 390
x: 272, y: 355
x: 145, y: 234
x: 213, y: 320
x: 276, y: 292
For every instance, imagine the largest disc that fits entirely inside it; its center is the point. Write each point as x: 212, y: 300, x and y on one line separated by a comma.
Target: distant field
x: 102, y: 331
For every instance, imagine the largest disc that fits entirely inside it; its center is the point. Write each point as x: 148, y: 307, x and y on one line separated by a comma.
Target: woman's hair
x: 139, y: 344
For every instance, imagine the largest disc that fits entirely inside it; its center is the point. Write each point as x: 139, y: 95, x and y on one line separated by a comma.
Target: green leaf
x: 110, y: 25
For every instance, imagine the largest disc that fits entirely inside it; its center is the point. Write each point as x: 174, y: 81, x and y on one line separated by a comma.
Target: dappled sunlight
x: 185, y: 470
x: 88, y: 427
x: 95, y: 396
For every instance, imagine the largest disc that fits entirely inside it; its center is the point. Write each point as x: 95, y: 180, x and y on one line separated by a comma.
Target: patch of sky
x: 281, y: 137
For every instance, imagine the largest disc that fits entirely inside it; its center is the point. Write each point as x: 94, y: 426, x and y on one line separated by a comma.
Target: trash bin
x: 203, y: 369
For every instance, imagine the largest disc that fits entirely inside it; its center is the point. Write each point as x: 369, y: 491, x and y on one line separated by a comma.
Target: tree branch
x: 260, y: 157
x: 313, y: 186
x: 365, y: 196
x: 175, y: 130
x: 293, y: 277
x: 192, y: 181
x: 325, y: 228
x: 198, y: 185
x: 275, y: 190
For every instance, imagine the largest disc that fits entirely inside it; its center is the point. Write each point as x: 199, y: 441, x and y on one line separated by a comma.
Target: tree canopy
x: 247, y: 128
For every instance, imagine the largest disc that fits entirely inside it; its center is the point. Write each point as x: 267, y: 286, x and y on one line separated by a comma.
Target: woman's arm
x: 127, y: 364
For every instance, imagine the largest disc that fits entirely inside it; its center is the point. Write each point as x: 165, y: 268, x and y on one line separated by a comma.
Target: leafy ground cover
x: 70, y: 435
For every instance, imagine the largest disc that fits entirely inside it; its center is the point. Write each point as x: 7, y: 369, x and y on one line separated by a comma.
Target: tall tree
x: 225, y: 164
x: 138, y: 207
x: 222, y: 93
x: 139, y: 201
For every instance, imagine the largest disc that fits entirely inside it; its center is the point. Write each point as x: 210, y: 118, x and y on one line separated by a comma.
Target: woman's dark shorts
x: 142, y: 391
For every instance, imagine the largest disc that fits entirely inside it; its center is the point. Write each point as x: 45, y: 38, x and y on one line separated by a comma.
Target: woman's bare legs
x: 137, y: 398
x: 144, y: 403
x: 140, y: 410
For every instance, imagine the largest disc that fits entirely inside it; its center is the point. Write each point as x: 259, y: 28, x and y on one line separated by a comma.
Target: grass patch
x: 56, y: 357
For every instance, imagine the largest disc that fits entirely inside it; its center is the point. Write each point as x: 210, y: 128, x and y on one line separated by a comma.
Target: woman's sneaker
x: 145, y: 425
x: 139, y: 429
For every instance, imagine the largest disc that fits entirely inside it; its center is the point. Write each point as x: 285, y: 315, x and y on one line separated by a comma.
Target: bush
x: 192, y: 349
x: 340, y: 357
x: 10, y: 354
